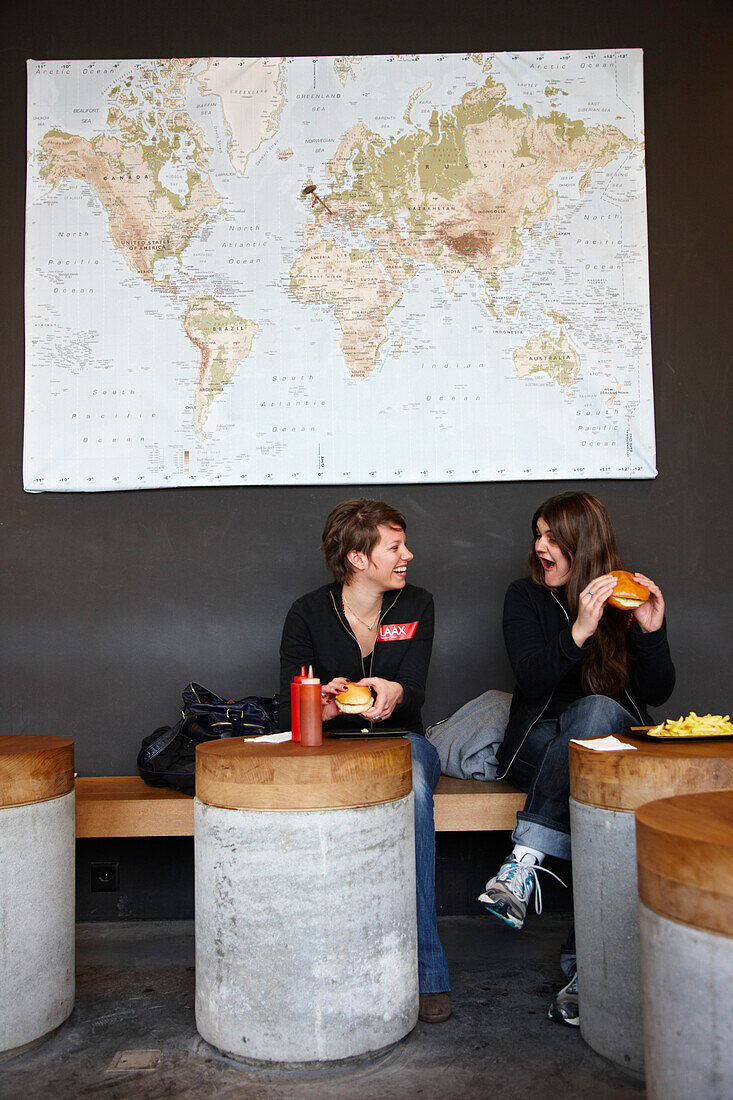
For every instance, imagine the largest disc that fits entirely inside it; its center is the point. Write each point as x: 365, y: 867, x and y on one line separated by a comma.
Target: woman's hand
x: 591, y: 603
x: 389, y: 695
x: 329, y: 709
x: 650, y: 614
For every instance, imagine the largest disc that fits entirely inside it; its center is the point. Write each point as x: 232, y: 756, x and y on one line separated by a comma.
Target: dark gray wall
x: 111, y: 602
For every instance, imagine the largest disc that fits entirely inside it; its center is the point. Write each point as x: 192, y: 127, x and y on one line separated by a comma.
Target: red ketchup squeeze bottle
x: 295, y: 704
x: 311, y: 724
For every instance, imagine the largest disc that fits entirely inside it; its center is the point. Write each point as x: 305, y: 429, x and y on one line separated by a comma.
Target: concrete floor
x: 135, y: 991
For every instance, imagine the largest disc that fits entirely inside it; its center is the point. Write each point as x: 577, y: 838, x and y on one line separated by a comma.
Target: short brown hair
x: 353, y: 525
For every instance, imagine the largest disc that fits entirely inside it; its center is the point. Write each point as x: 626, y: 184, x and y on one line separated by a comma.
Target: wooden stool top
x: 34, y: 768
x: 684, y: 855
x: 247, y: 775
x: 625, y: 780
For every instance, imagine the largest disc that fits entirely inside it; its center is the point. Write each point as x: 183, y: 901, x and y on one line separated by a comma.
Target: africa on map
x: 413, y: 268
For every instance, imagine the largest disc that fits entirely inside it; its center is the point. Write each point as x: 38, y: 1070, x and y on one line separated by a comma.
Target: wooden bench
x: 109, y: 806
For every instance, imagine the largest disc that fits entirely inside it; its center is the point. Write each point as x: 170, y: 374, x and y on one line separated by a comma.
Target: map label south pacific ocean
x: 223, y: 253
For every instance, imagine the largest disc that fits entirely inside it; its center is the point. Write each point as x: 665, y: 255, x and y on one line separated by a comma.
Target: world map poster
x: 413, y: 268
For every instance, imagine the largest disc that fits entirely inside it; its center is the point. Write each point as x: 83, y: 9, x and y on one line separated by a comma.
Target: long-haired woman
x: 582, y: 668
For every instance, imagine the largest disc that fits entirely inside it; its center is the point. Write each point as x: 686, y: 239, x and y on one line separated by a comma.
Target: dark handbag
x: 167, y: 756
x: 249, y: 717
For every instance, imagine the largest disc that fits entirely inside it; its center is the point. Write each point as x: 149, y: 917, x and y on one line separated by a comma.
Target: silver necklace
x: 347, y: 604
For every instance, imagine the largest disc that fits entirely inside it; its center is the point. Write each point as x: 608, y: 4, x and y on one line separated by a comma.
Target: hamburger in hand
x: 627, y: 594
x: 355, y: 700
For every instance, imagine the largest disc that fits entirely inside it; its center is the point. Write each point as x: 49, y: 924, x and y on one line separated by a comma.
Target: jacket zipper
x: 350, y: 632
x: 561, y: 607
x: 631, y: 699
x: 547, y: 703
x: 529, y: 730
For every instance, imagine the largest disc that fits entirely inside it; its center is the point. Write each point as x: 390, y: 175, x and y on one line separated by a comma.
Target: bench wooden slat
x: 122, y: 805
x: 465, y: 805
x: 117, y: 806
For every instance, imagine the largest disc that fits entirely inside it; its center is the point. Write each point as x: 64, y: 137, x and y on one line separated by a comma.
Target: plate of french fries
x: 695, y: 727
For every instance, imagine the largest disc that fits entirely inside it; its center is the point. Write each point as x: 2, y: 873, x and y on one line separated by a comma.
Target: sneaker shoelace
x: 527, y: 874
x: 572, y: 986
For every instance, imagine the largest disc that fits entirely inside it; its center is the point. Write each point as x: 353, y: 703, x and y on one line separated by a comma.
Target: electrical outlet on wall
x: 105, y: 877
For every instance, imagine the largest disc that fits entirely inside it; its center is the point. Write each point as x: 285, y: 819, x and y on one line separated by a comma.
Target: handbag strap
x: 155, y: 748
x: 197, y: 695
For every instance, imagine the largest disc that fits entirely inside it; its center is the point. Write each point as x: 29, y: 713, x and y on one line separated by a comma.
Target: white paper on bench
x: 603, y: 744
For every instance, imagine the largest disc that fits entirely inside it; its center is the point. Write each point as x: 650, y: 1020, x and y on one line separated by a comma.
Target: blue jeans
x: 432, y: 965
x: 542, y: 769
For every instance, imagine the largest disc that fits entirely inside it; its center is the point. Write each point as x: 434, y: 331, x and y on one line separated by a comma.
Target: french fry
x: 694, y: 725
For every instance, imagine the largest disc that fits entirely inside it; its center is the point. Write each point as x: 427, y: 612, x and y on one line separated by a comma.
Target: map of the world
x: 336, y: 269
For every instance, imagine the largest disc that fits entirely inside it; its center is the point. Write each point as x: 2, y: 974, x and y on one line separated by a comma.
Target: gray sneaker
x: 564, y: 1007
x: 507, y: 894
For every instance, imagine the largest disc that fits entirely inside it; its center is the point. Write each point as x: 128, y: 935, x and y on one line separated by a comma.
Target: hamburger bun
x: 355, y: 699
x: 627, y: 594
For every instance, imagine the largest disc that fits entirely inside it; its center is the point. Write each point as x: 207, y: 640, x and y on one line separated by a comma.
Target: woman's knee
x: 597, y: 714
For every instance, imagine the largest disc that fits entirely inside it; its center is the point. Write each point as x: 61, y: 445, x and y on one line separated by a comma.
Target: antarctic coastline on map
x: 369, y: 269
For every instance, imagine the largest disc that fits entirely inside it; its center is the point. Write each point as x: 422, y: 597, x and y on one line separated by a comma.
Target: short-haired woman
x: 371, y: 627
x: 583, y: 668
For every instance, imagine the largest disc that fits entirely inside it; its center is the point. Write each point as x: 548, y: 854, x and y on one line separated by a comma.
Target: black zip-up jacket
x: 542, y: 651
x: 316, y: 632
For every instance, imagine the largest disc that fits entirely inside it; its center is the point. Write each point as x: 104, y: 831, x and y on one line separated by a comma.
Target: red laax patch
x: 397, y: 632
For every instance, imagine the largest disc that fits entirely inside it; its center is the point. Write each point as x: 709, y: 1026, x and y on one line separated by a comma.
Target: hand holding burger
x: 649, y: 614
x: 635, y: 592
x: 389, y: 694
x: 329, y: 707
x: 628, y: 593
x: 354, y: 700
x: 591, y: 604
x: 624, y: 590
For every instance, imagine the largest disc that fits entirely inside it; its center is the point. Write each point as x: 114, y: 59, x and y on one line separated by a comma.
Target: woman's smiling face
x: 387, y: 563
x: 556, y: 565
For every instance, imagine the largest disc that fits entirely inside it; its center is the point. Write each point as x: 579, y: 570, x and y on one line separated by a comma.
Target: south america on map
x: 405, y: 268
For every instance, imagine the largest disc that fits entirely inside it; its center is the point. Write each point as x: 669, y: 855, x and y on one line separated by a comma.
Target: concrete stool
x: 36, y: 888
x: 306, y: 941
x: 606, y: 789
x: 685, y: 862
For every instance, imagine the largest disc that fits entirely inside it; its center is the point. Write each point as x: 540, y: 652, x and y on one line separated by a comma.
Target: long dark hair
x: 582, y: 529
